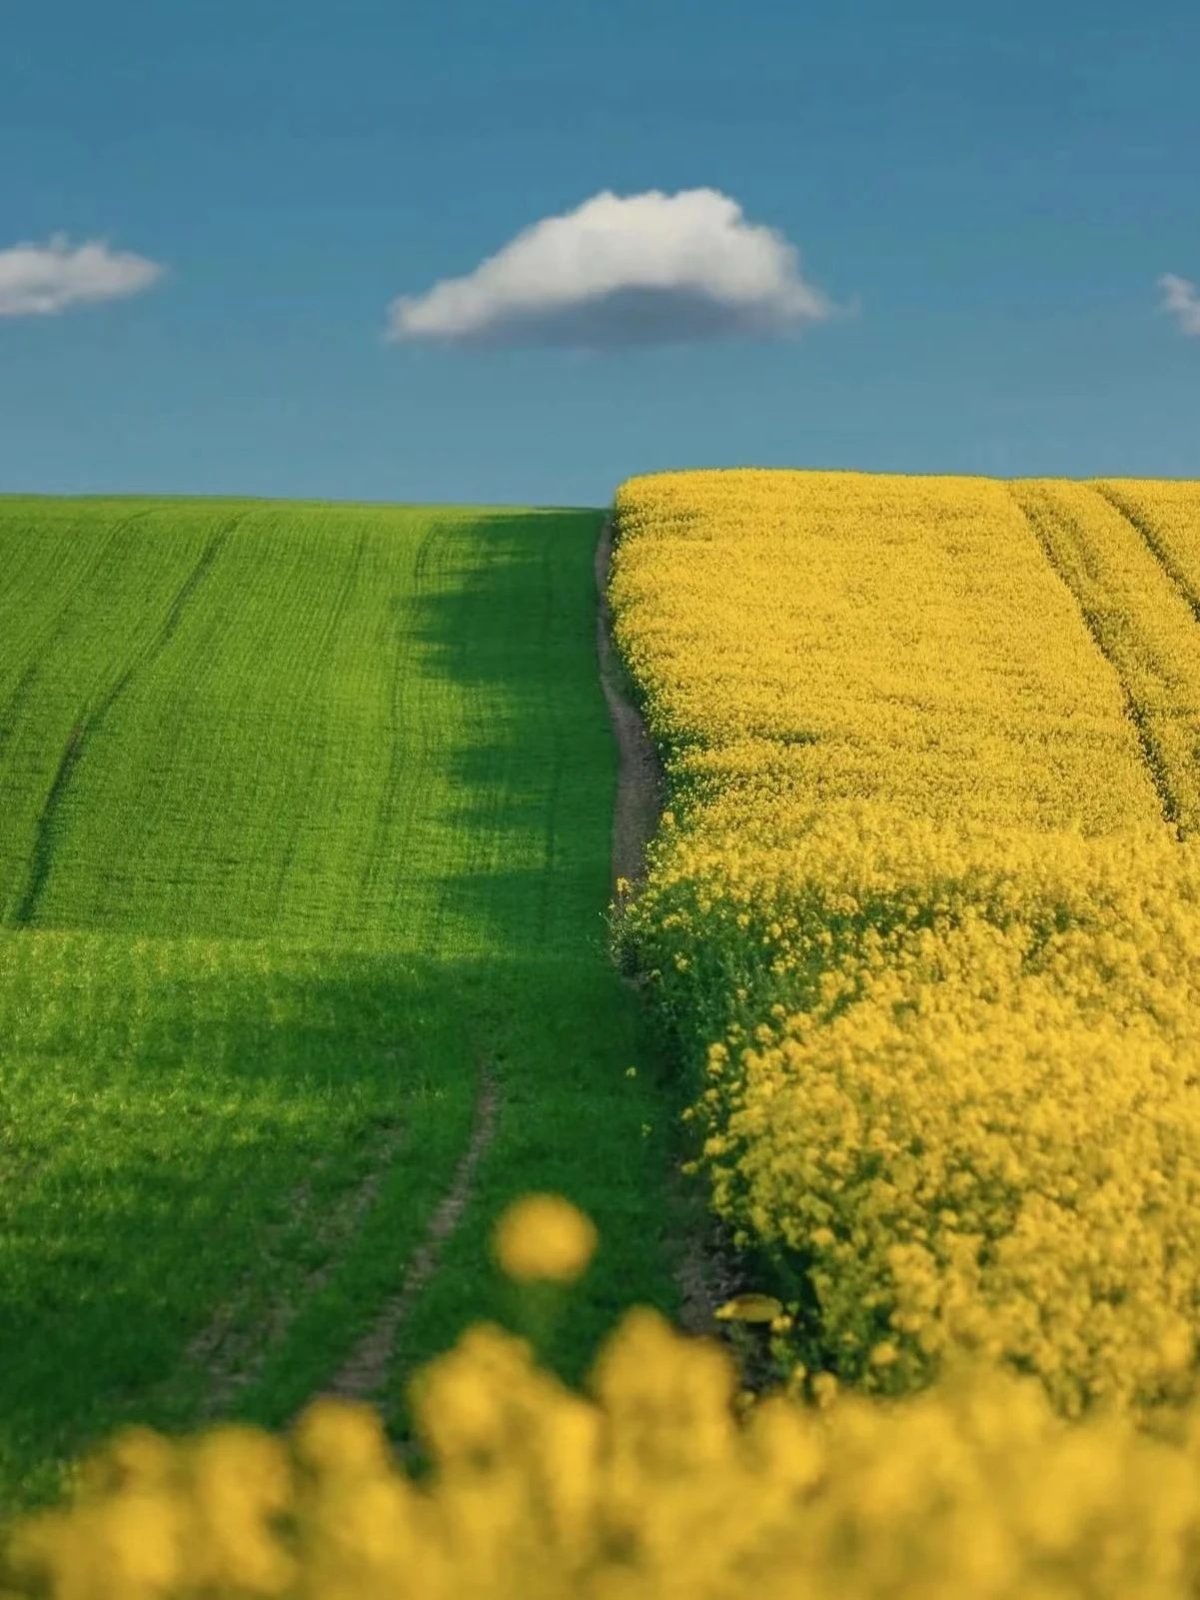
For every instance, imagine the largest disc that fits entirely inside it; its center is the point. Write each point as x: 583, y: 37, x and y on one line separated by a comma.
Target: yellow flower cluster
x: 647, y: 1489
x: 804, y: 638
x: 918, y: 917
x: 1141, y: 619
x: 1168, y: 517
x: 544, y: 1238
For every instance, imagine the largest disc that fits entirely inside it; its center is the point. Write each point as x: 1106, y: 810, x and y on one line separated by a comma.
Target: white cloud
x: 40, y: 280
x: 648, y: 268
x: 1182, y: 300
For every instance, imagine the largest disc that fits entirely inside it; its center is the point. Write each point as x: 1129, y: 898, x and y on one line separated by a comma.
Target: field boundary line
x: 364, y: 1371
x: 705, y: 1265
x: 1152, y: 753
x: 641, y: 780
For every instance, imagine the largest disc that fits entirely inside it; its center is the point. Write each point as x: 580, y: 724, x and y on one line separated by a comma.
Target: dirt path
x: 364, y: 1372
x: 705, y: 1265
x: 640, y: 783
x: 232, y: 1349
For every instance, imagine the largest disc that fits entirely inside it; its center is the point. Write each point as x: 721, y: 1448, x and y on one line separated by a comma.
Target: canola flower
x: 921, y: 916
x: 544, y: 1238
x: 1167, y: 514
x: 1141, y: 616
x: 652, y: 1485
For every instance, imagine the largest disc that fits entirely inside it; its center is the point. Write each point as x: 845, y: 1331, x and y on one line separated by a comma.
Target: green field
x: 304, y: 857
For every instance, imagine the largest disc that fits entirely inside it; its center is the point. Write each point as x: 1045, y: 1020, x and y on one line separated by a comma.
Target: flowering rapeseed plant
x: 544, y: 1238
x: 654, y: 1485
x: 920, y: 919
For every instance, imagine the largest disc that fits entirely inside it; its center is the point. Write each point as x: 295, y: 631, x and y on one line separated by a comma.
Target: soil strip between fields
x: 640, y: 780
x: 705, y: 1265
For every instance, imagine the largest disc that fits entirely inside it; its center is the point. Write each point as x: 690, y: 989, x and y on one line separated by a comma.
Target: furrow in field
x: 42, y: 850
x: 1140, y: 620
x: 14, y: 705
x: 1167, y: 516
x: 363, y: 1373
x: 58, y: 662
x: 50, y: 574
x: 233, y: 1348
x: 640, y: 783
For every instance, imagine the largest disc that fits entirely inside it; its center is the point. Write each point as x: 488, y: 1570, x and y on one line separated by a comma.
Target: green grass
x: 304, y: 817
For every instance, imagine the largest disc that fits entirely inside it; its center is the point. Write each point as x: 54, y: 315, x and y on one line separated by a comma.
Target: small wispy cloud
x: 40, y: 280
x: 648, y: 268
x: 1182, y: 299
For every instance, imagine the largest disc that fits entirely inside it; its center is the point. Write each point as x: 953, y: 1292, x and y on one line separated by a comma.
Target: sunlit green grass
x: 304, y: 818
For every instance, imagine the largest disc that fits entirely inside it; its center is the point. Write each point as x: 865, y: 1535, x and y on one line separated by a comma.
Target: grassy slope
x: 306, y: 815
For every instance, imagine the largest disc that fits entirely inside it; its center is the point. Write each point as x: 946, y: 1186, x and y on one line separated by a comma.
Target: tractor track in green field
x: 10, y: 713
x: 365, y: 1370
x: 233, y: 1348
x: 84, y: 730
x: 234, y: 1360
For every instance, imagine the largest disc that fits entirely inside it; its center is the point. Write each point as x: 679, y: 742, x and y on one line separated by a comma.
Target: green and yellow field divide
x: 308, y: 969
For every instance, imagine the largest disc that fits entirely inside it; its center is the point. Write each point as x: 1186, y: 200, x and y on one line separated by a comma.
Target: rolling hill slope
x: 303, y: 866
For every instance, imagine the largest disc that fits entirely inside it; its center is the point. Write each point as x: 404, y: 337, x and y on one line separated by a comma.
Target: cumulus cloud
x: 40, y: 280
x: 1182, y: 300
x: 619, y: 270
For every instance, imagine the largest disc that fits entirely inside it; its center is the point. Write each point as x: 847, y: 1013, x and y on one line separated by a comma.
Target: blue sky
x: 996, y: 191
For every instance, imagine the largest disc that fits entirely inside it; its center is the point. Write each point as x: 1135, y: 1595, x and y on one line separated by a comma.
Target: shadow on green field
x: 170, y: 1110
x: 538, y: 774
x: 185, y: 1124
x: 232, y: 1147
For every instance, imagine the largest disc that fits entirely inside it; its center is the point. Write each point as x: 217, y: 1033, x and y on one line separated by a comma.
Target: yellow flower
x: 750, y: 1308
x: 544, y: 1237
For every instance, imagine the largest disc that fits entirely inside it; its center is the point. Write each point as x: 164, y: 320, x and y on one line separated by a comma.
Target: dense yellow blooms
x: 1168, y: 516
x: 544, y: 1238
x: 647, y: 1489
x: 921, y: 916
x: 830, y: 636
x: 1140, y: 618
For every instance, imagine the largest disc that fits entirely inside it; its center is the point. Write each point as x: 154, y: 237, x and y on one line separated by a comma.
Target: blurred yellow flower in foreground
x: 544, y: 1237
x: 660, y: 1482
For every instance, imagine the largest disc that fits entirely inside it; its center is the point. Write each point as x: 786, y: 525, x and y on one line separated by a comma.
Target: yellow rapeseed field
x: 926, y: 914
